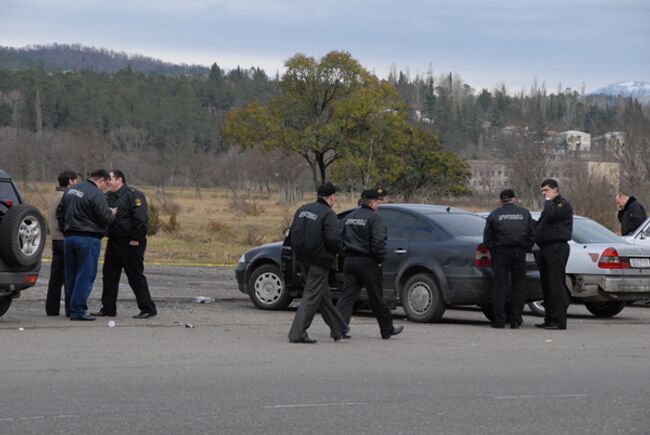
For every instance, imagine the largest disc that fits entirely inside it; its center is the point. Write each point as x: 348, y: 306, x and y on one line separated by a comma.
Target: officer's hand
x: 380, y: 264
x: 134, y: 243
x: 114, y: 210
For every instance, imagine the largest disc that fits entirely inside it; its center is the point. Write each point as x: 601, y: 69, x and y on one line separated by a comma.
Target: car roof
x: 426, y: 209
x: 3, y: 174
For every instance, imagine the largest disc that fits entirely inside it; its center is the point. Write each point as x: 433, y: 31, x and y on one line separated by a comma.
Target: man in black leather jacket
x: 509, y: 234
x: 552, y: 232
x: 83, y: 215
x: 315, y: 241
x: 127, y: 243
x: 364, y: 247
x: 631, y: 213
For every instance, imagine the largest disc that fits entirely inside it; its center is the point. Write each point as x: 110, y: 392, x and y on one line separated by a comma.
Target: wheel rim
x: 29, y: 236
x: 268, y: 288
x: 420, y: 298
x: 538, y: 305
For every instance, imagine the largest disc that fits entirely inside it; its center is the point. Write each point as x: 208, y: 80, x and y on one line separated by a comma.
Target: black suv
x: 22, y: 239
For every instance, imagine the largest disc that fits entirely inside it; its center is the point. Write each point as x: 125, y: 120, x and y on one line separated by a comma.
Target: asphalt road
x: 235, y: 372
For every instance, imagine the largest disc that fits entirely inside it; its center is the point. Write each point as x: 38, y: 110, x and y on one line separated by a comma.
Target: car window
x: 422, y: 230
x: 460, y: 225
x: 7, y: 191
x: 400, y: 225
x: 588, y: 231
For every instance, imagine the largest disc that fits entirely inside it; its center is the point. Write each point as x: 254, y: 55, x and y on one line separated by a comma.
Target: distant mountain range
x: 63, y: 57
x: 635, y: 89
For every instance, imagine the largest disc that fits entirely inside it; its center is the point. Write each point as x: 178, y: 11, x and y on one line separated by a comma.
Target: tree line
x: 322, y: 118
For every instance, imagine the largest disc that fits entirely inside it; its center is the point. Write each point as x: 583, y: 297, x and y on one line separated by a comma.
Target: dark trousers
x: 552, y: 261
x: 120, y: 255
x: 316, y: 297
x: 57, y: 281
x: 509, y: 267
x: 81, y: 254
x: 361, y: 272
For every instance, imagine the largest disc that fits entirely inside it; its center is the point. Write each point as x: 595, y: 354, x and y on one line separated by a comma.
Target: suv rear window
x: 7, y: 191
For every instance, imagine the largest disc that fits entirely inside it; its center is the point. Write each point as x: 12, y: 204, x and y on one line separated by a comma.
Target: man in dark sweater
x: 631, y: 213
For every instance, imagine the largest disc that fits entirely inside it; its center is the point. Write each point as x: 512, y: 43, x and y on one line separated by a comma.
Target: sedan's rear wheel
x: 421, y: 299
x: 5, y: 302
x: 266, y: 289
x: 605, y: 309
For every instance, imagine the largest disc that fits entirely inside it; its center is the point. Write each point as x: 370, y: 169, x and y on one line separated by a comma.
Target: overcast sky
x: 485, y: 41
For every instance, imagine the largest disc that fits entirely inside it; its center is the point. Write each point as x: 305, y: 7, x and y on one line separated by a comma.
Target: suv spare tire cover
x: 22, y: 235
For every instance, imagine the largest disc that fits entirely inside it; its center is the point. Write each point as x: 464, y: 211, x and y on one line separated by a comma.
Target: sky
x: 572, y: 43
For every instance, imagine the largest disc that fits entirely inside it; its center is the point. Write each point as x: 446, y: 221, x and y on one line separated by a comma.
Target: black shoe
x: 52, y: 314
x: 497, y: 325
x: 102, y: 313
x: 305, y: 340
x: 541, y: 325
x: 396, y: 331
x: 555, y: 326
x: 86, y: 317
x: 144, y: 315
x: 515, y: 325
x: 342, y: 336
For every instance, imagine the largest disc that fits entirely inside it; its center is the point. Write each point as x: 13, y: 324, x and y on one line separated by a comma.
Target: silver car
x: 605, y: 271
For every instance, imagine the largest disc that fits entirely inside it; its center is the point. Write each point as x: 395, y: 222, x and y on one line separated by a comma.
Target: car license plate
x: 640, y: 262
x: 530, y: 257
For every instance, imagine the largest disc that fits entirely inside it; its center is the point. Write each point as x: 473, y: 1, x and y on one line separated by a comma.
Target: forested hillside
x: 74, y: 115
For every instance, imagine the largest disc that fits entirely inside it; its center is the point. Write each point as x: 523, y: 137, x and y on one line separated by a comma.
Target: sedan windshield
x: 588, y: 231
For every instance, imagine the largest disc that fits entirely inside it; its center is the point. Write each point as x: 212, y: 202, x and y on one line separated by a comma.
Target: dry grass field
x: 214, y: 229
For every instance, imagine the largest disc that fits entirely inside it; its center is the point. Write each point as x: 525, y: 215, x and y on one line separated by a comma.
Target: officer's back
x: 314, y: 234
x: 364, y: 234
x: 509, y: 226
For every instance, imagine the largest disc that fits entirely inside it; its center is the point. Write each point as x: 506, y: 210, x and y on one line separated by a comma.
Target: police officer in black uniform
x: 552, y: 232
x: 315, y: 241
x: 127, y: 242
x: 364, y: 247
x: 509, y: 234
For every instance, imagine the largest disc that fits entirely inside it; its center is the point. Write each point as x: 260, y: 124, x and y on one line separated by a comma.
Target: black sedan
x: 435, y: 261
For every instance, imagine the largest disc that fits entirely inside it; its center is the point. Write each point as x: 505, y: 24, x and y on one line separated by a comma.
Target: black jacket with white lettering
x: 83, y: 211
x: 509, y: 226
x: 555, y: 225
x: 314, y: 234
x: 364, y: 234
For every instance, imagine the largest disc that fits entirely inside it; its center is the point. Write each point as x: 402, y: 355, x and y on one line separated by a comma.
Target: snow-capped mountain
x: 631, y: 88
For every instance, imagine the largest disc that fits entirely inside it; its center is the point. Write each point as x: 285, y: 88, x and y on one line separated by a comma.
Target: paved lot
x: 235, y: 372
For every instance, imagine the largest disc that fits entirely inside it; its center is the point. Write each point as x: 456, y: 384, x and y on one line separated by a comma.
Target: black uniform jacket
x: 556, y: 222
x: 364, y: 234
x: 130, y: 222
x: 509, y: 226
x: 314, y: 234
x: 632, y: 216
x: 83, y: 211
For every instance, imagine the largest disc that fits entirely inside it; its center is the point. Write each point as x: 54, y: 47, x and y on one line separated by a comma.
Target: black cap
x: 382, y: 192
x: 370, y: 194
x: 507, y: 194
x: 326, y: 189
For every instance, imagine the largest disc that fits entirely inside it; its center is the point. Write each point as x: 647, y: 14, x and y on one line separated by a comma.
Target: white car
x: 605, y: 271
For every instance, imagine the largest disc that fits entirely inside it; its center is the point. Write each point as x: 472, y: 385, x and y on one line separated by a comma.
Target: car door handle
x: 400, y: 251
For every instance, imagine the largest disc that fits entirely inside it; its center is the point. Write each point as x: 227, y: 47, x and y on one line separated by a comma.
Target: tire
x: 421, y: 299
x: 266, y: 289
x: 22, y: 235
x: 4, y: 304
x: 605, y: 309
x: 537, y: 308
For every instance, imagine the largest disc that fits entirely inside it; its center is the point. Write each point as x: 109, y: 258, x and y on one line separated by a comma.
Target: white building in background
x: 574, y: 140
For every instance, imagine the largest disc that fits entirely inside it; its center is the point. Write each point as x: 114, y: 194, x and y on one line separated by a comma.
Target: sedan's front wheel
x: 266, y: 289
x: 605, y: 309
x: 421, y: 299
